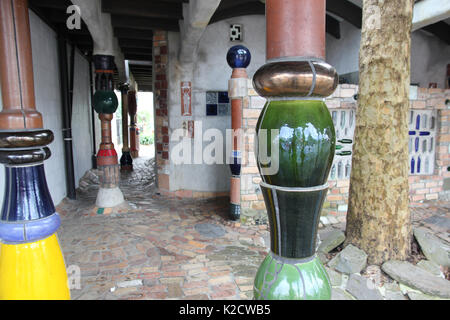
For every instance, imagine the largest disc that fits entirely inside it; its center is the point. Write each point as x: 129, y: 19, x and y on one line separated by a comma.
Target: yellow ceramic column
x: 31, y: 261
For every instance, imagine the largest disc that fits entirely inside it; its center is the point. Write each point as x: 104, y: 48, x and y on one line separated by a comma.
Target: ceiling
x: 134, y: 21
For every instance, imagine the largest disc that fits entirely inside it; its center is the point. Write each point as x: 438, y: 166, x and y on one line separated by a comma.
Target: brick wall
x: 422, y: 187
x: 431, y: 187
x: 160, y: 88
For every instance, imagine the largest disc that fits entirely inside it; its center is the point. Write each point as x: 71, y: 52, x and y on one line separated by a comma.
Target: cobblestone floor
x: 174, y: 249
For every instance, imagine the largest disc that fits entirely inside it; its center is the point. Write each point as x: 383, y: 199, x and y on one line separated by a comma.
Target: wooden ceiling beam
x: 143, y: 8
x: 346, y: 10
x: 238, y: 10
x: 145, y: 51
x: 53, y: 4
x: 333, y: 26
x: 120, y: 21
x: 133, y: 33
x: 440, y: 29
x: 138, y: 57
x: 145, y: 72
x: 133, y: 43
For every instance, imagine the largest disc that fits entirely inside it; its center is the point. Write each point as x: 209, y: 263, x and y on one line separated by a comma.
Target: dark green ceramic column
x: 296, y: 129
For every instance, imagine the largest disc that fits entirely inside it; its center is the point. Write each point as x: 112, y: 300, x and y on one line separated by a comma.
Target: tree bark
x: 378, y: 219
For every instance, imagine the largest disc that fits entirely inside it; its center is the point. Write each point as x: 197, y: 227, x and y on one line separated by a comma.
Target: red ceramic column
x: 105, y: 104
x: 134, y: 130
x: 16, y: 66
x: 238, y: 58
x: 295, y: 28
x: 126, y: 161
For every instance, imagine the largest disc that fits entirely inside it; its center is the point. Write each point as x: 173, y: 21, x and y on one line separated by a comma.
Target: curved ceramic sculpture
x: 294, y: 197
x: 296, y: 129
x: 105, y: 103
x: 31, y: 261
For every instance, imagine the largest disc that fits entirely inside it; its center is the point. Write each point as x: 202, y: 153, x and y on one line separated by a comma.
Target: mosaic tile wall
x: 422, y: 139
x: 433, y: 149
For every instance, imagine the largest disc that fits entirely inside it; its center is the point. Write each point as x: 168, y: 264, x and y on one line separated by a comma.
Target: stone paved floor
x: 174, y: 249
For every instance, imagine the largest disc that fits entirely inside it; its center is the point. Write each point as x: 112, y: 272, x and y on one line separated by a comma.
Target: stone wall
x: 430, y: 186
x: 437, y: 184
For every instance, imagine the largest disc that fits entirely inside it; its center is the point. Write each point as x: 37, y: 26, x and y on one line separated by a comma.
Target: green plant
x: 146, y: 139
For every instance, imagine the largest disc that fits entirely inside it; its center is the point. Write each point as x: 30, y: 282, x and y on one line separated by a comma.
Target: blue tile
x: 211, y: 97
x: 211, y: 109
x: 224, y: 109
x: 223, y: 97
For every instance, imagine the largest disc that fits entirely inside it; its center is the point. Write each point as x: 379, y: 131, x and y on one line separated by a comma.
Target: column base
x: 109, y: 197
x: 126, y: 168
x: 135, y: 154
x: 235, y: 212
x: 126, y: 161
x: 289, y: 279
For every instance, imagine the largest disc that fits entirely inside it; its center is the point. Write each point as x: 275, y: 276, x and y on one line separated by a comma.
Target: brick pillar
x: 31, y: 261
x: 160, y: 85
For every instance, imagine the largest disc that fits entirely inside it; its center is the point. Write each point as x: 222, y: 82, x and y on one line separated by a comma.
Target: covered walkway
x: 173, y: 249
x: 162, y: 248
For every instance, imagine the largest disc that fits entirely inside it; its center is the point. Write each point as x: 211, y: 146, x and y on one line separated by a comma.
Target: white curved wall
x: 429, y: 55
x: 211, y: 73
x: 48, y: 102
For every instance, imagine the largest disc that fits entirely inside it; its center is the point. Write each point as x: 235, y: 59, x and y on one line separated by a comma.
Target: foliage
x: 146, y: 139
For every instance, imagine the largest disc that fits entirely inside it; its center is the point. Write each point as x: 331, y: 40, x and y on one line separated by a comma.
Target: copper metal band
x: 20, y: 157
x: 307, y: 78
x: 25, y: 139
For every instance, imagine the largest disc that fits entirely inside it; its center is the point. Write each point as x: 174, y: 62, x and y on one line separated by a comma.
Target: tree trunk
x: 378, y: 219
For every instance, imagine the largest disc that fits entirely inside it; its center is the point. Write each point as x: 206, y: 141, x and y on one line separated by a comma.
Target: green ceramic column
x: 295, y: 147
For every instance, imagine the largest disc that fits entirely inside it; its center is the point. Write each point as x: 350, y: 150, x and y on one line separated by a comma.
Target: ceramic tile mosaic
x: 344, y: 123
x: 422, y: 141
x: 217, y: 103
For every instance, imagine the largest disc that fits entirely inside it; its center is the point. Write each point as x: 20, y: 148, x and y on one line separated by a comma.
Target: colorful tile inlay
x: 217, y: 103
x: 421, y: 141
